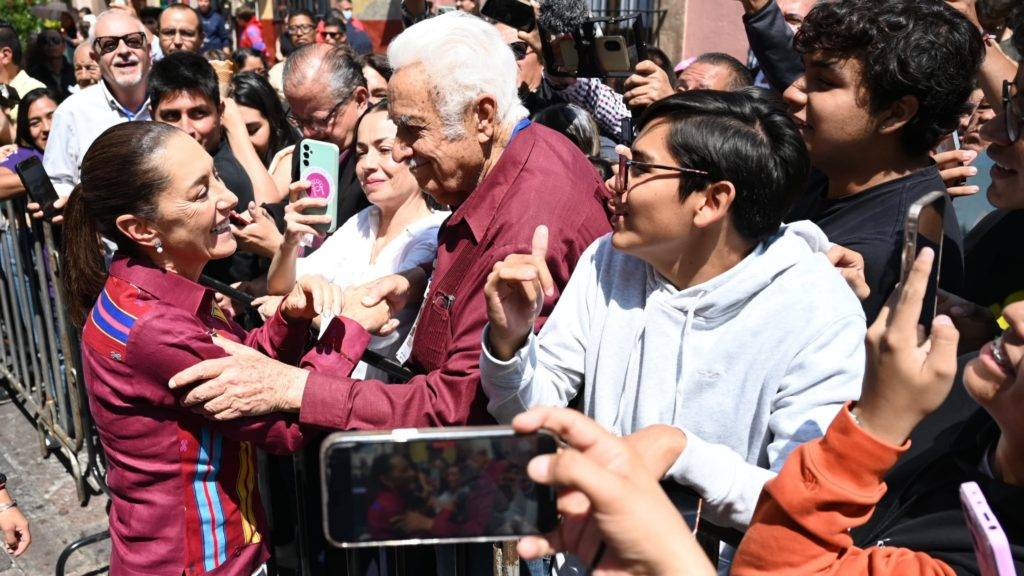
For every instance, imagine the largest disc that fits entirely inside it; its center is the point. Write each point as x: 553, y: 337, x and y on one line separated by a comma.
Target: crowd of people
x: 693, y: 275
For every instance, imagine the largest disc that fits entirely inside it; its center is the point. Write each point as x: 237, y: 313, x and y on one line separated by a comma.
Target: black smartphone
x: 514, y: 13
x: 433, y: 486
x: 924, y: 229
x: 37, y: 183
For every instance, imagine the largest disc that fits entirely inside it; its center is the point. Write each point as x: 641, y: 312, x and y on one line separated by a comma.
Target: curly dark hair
x: 920, y: 48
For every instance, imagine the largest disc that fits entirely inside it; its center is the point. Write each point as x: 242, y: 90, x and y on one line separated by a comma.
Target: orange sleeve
x: 826, y: 487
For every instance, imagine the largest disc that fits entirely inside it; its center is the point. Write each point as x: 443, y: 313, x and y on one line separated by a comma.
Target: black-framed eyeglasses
x: 108, y: 44
x: 626, y: 166
x: 1012, y: 112
x: 519, y: 49
x: 184, y: 32
x: 301, y: 29
x: 316, y: 124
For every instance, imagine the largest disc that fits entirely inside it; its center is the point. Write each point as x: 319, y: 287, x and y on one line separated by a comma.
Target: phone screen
x: 925, y: 230
x: 37, y: 182
x: 434, y: 489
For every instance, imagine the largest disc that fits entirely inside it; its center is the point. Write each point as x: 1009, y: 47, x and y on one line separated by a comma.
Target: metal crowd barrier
x: 39, y: 349
x: 40, y: 364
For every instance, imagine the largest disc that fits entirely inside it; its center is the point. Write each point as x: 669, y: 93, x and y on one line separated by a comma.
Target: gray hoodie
x: 749, y: 364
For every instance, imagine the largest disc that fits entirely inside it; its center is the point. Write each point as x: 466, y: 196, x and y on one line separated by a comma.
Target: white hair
x: 462, y: 57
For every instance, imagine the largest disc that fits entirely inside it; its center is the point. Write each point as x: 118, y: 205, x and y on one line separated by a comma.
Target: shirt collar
x: 479, y: 208
x: 165, y: 286
x: 117, y: 107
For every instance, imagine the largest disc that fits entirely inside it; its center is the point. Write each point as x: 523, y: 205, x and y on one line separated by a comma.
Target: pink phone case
x: 990, y: 543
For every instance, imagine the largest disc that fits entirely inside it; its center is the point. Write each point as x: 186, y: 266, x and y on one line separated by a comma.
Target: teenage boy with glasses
x: 699, y: 313
x: 122, y: 50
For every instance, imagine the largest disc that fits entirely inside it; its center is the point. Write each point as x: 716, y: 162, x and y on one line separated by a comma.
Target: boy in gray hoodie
x: 727, y: 338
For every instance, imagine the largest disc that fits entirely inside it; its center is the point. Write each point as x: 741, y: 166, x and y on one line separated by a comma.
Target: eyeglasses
x: 301, y: 29
x: 317, y: 124
x: 1012, y: 112
x: 626, y: 166
x: 107, y: 44
x: 186, y: 33
x: 519, y: 49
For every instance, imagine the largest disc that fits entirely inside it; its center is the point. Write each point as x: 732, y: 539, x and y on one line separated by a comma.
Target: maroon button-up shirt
x: 183, y: 488
x: 541, y: 178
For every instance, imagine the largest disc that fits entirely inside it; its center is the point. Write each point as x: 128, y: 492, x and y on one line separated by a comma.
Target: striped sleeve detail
x: 207, y: 499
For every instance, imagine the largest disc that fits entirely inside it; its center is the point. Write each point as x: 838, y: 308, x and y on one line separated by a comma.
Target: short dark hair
x: 23, y: 137
x: 920, y: 48
x: 335, y: 21
x: 301, y: 12
x: 744, y: 137
x: 378, y: 62
x: 9, y: 39
x: 187, y: 8
x: 574, y: 123
x: 182, y: 72
x: 246, y: 12
x: 740, y: 76
x: 239, y: 56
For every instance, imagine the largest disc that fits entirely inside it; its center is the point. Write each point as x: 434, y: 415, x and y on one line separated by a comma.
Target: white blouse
x: 344, y: 260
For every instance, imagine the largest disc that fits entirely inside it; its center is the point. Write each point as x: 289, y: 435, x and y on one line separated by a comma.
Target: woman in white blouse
x: 397, y: 232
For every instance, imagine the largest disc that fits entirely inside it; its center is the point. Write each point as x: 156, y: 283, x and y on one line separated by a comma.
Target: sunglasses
x: 333, y: 35
x: 51, y: 40
x: 108, y: 44
x: 638, y: 168
x: 1012, y: 112
x: 519, y: 49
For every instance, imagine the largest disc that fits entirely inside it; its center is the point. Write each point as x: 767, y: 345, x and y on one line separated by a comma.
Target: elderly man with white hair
x: 466, y: 138
x: 122, y: 50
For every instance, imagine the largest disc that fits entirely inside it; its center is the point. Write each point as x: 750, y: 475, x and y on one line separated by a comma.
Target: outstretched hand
x: 907, y: 376
x: 515, y: 292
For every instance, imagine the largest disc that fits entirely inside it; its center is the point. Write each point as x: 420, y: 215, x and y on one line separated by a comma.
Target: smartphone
x: 433, y: 486
x: 948, y: 144
x: 990, y: 542
x: 37, y: 183
x: 319, y: 164
x: 514, y: 13
x: 613, y: 55
x: 924, y: 229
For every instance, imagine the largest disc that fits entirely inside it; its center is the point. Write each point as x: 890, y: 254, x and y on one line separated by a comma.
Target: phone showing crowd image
x: 924, y: 229
x: 433, y: 486
x: 990, y: 543
x: 319, y: 165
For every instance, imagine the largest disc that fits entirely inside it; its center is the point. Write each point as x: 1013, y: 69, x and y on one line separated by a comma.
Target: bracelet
x: 8, y: 506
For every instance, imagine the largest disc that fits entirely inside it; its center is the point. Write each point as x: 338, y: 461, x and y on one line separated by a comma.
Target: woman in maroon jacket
x: 183, y: 487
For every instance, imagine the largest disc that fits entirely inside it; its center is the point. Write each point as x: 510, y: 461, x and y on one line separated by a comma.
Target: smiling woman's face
x: 192, y: 213
x: 387, y: 184
x: 995, y: 379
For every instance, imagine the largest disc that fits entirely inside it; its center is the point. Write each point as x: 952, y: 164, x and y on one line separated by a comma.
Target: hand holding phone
x: 925, y: 229
x: 319, y: 165
x: 373, y: 494
x: 990, y: 542
x: 37, y: 183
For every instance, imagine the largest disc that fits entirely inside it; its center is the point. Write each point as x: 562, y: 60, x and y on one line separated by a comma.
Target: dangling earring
x: 159, y: 247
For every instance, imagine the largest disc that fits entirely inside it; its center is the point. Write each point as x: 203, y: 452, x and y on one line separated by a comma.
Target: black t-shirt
x: 241, y: 266
x: 994, y: 262
x: 872, y: 223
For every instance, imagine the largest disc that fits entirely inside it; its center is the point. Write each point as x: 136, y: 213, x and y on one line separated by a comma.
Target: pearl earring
x: 159, y: 247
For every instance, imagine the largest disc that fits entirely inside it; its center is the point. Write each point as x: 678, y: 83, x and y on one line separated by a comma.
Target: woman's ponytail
x: 83, y: 268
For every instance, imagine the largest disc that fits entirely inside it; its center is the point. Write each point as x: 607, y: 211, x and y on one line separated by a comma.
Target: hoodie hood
x: 720, y: 298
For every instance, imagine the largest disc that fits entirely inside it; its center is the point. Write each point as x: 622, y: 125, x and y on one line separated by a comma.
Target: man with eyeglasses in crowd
x: 122, y: 49
x: 180, y: 29
x: 301, y: 31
